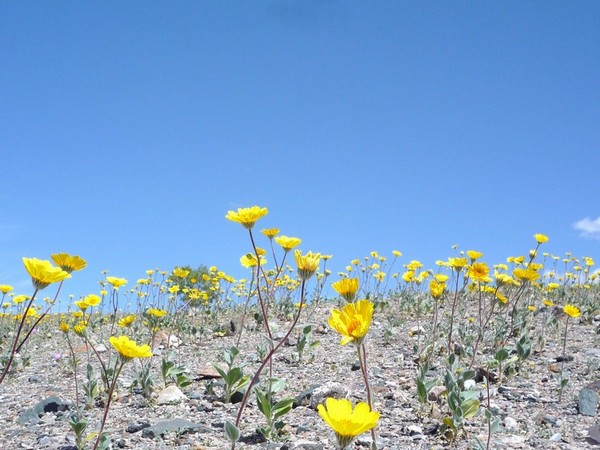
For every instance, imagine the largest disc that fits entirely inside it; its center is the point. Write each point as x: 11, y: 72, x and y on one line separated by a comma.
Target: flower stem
x: 362, y: 359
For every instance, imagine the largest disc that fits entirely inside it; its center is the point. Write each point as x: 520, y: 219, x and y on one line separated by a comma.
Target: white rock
x: 170, y: 395
x: 510, y: 423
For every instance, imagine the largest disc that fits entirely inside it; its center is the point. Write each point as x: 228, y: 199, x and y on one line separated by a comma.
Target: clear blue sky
x: 129, y: 129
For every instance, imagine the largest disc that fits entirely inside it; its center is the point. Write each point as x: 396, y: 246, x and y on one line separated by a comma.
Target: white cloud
x: 589, y: 228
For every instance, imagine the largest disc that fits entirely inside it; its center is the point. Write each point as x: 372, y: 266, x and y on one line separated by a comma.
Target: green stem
x: 107, y: 407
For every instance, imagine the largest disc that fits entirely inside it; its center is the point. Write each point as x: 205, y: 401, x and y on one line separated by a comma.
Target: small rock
x: 179, y: 426
x: 556, y: 437
x: 50, y: 404
x: 170, y: 395
x: 436, y: 393
x: 588, y: 402
x: 208, y: 373
x: 510, y: 423
x: 135, y: 426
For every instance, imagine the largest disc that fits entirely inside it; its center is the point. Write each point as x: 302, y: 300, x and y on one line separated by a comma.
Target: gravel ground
x: 526, y: 403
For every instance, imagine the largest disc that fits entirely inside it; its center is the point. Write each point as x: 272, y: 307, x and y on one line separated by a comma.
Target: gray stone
x: 51, y: 404
x: 588, y: 402
x: 179, y: 426
x: 510, y: 423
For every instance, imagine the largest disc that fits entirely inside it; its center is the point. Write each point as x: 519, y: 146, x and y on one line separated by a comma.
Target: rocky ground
x: 37, y: 400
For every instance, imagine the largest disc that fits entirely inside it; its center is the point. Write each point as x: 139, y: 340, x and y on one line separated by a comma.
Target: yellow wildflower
x: 540, y: 238
x: 156, y: 312
x: 288, y: 243
x: 307, y: 264
x: 180, y: 273
x: 67, y: 262
x: 115, y: 282
x: 127, y: 320
x: 43, y: 273
x: 572, y: 311
x: 247, y: 216
x: 5, y: 288
x: 128, y: 349
x: 345, y: 422
x: 270, y: 232
x: 347, y: 288
x: 353, y: 321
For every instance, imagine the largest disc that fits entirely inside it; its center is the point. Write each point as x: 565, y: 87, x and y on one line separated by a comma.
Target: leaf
x: 282, y: 407
x: 470, y: 408
x: 231, y: 431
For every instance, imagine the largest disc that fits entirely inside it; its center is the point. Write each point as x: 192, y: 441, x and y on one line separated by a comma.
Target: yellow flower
x: 156, y: 312
x: 346, y: 422
x: 473, y: 254
x: 92, y: 300
x: 501, y: 298
x: 436, y: 289
x: 526, y: 274
x: 307, y: 264
x: 457, y: 263
x: 115, y: 282
x: 81, y: 304
x: 441, y: 277
x: 249, y: 260
x: 180, y: 273
x: 127, y: 320
x: 288, y: 243
x: 79, y: 329
x: 270, y: 232
x: 531, y: 308
x: 353, y: 321
x: 572, y: 311
x: 19, y: 299
x: 5, y: 288
x: 64, y: 327
x: 43, y: 273
x: 547, y: 303
x: 479, y: 272
x: 396, y: 253
x: 128, y: 349
x: 67, y: 262
x: 347, y: 288
x: 247, y: 216
x: 540, y: 238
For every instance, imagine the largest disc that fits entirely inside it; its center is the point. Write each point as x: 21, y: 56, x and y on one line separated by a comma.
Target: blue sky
x: 129, y: 129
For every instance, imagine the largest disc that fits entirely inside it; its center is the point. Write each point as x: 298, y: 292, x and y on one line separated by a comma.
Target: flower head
x: 115, y: 282
x: 346, y: 422
x: 572, y: 311
x: 247, y: 216
x: 64, y: 327
x: 5, y: 288
x: 43, y: 273
x: 479, y: 271
x: 270, y: 232
x: 180, y: 273
x: 127, y: 321
x: 540, y: 238
x: 156, y: 312
x: 67, y: 262
x: 307, y: 264
x: 436, y: 288
x: 347, y: 288
x: 474, y: 254
x: 457, y: 263
x: 92, y: 300
x: 288, y: 243
x: 353, y: 321
x: 526, y: 274
x: 128, y: 349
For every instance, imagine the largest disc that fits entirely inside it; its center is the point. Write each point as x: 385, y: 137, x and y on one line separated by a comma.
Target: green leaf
x: 263, y: 403
x: 231, y: 431
x: 470, y: 408
x: 282, y: 407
